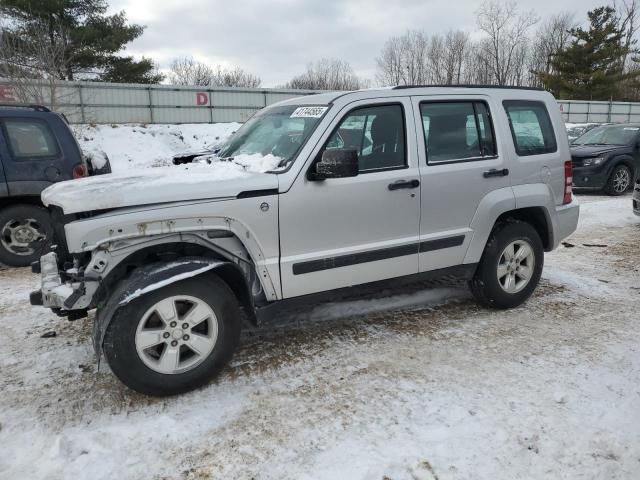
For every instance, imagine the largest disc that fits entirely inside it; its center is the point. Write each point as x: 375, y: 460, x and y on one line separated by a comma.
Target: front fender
x: 144, y: 280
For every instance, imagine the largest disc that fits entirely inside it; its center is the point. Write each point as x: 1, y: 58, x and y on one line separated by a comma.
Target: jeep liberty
x: 369, y: 186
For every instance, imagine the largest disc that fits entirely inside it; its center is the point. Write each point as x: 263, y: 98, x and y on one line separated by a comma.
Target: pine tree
x: 590, y: 68
x: 89, y: 38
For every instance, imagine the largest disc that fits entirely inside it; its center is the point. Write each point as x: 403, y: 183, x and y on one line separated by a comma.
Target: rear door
x: 460, y: 165
x: 34, y: 157
x: 349, y: 231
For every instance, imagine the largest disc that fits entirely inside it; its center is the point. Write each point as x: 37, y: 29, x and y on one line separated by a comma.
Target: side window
x: 531, y: 127
x: 377, y: 133
x: 457, y: 131
x: 30, y: 139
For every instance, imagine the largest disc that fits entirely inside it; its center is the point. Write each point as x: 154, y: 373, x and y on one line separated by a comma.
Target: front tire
x: 174, y: 339
x: 26, y: 233
x: 619, y: 181
x: 511, y: 266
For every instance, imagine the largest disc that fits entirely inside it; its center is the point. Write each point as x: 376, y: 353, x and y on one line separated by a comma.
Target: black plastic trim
x: 448, y: 242
x: 375, y: 255
x: 258, y: 193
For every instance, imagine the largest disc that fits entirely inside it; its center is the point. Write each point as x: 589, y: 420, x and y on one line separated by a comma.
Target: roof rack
x: 509, y: 87
x: 37, y: 108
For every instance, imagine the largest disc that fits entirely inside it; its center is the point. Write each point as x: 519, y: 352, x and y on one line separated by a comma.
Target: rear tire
x: 514, y: 251
x: 184, y: 354
x: 619, y: 181
x: 26, y: 233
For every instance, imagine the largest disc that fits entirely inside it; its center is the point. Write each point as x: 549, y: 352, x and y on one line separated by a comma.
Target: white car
x: 312, y: 195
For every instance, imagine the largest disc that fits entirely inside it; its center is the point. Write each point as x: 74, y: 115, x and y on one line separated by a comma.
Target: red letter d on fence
x: 202, y: 98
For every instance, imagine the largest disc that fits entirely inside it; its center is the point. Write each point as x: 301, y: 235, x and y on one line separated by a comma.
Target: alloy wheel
x: 176, y: 334
x: 515, y: 266
x: 621, y: 180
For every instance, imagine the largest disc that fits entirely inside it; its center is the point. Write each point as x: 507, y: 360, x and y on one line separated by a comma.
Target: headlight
x: 593, y: 161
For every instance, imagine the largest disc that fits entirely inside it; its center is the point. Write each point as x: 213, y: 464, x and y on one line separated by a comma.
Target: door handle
x: 404, y: 184
x: 494, y: 172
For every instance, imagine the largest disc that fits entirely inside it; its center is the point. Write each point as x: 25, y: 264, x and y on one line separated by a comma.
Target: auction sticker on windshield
x: 308, y: 112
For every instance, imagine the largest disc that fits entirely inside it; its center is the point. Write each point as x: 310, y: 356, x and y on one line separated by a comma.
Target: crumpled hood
x: 588, y: 151
x: 154, y: 186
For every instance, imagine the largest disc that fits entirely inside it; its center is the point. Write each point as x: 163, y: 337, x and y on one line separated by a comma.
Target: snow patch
x: 134, y: 146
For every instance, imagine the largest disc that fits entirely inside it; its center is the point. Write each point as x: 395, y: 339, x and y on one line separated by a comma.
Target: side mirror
x: 336, y: 163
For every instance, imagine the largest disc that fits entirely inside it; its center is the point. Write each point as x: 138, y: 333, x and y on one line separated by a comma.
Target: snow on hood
x: 220, y: 179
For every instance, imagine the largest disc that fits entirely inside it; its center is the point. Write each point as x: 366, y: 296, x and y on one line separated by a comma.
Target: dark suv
x: 37, y: 149
x: 607, y: 158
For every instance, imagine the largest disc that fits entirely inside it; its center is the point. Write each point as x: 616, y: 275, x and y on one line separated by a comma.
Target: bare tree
x: 552, y: 36
x: 188, y: 71
x: 235, y: 77
x: 629, y: 11
x: 33, y: 67
x: 506, y: 30
x: 327, y: 74
x: 404, y: 60
x: 456, y: 45
x: 436, y: 61
x: 418, y: 59
x: 476, y: 70
x: 390, y: 63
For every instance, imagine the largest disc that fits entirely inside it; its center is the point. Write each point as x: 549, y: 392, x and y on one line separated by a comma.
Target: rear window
x: 30, y: 138
x: 531, y: 127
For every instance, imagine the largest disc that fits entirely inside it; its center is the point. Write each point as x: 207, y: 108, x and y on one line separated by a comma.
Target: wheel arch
x: 627, y: 161
x: 238, y: 279
x: 532, y: 203
x: 153, y: 276
x: 537, y: 217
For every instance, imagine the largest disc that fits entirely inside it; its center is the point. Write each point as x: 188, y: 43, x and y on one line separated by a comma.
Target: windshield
x: 277, y: 131
x: 611, y: 135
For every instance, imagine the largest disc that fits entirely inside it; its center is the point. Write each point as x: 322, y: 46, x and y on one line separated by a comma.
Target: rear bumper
x: 636, y: 198
x: 567, y: 217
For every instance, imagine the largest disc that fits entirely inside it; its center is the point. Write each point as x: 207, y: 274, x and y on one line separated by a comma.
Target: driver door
x: 341, y: 232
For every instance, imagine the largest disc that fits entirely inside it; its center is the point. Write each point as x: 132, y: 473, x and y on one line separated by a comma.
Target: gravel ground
x: 419, y: 385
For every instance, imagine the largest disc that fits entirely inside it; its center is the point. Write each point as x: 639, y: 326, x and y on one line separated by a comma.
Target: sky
x: 276, y: 39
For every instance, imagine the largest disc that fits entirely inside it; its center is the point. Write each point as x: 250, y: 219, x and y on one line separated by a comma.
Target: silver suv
x: 312, y: 195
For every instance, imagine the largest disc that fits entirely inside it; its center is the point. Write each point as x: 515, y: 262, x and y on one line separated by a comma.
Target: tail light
x: 568, y: 182
x: 80, y: 171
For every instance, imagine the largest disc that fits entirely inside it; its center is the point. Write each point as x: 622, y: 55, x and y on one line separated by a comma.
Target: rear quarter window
x: 30, y: 138
x: 531, y: 127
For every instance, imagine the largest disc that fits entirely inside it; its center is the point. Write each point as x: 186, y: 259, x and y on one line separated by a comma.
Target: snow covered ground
x: 421, y: 385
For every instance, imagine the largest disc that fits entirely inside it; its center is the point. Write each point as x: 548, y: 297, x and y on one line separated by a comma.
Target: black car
x: 607, y: 158
x: 37, y: 149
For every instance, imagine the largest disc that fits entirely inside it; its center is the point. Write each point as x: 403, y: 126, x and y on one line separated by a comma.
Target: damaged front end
x: 68, y: 292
